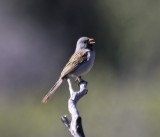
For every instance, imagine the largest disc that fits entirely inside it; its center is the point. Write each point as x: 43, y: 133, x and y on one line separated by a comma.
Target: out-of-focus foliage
x: 37, y: 37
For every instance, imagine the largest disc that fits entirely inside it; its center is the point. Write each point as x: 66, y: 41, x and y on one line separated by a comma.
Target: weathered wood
x: 75, y: 124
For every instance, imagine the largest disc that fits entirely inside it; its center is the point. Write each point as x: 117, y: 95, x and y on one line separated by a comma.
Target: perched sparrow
x: 79, y: 64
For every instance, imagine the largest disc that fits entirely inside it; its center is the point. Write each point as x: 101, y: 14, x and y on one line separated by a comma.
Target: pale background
x: 37, y: 37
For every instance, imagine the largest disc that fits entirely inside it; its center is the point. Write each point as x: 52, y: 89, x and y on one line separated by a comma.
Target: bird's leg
x: 78, y: 79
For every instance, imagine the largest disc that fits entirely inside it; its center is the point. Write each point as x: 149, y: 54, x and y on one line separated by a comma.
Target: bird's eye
x: 85, y: 41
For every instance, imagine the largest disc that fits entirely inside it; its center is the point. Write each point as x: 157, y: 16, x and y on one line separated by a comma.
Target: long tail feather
x: 52, y: 90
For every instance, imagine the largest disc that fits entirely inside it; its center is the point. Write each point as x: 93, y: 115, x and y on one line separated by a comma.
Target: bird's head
x: 85, y: 43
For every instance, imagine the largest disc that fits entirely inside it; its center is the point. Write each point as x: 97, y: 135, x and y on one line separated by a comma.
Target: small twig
x: 75, y: 124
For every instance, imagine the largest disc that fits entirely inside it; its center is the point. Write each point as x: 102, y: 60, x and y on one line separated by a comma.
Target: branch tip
x: 75, y: 124
x: 65, y: 121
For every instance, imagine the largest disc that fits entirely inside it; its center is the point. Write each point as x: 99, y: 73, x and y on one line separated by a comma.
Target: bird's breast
x: 85, y: 67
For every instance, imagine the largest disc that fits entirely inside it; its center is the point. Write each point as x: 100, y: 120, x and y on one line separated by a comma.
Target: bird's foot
x: 79, y: 80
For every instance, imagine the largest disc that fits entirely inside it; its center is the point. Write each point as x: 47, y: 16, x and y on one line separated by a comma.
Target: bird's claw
x: 78, y: 80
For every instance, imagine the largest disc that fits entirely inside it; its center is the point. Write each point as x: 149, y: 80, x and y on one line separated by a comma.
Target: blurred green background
x: 37, y: 37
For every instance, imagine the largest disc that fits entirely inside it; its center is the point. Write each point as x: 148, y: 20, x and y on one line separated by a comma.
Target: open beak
x: 91, y: 41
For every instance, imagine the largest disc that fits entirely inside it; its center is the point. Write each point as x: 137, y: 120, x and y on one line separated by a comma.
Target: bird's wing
x: 76, y: 59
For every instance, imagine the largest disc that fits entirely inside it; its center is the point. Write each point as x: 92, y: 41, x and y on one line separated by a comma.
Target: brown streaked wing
x: 76, y: 59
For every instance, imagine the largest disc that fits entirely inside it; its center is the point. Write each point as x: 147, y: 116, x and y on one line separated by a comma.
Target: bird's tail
x: 52, y: 90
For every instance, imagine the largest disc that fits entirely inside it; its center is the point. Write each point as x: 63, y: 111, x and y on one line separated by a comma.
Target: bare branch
x: 75, y: 124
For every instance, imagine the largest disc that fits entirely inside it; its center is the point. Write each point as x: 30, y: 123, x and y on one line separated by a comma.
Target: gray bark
x: 75, y: 124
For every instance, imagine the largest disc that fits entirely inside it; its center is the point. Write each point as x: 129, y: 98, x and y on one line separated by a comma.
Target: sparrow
x: 78, y: 65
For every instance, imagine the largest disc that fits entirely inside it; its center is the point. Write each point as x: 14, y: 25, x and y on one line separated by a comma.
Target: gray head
x: 85, y: 43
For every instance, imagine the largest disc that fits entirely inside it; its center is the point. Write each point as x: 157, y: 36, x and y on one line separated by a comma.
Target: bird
x: 78, y: 65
